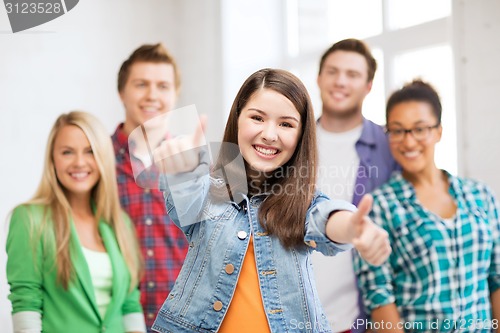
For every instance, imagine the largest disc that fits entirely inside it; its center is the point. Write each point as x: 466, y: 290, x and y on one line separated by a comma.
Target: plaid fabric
x: 163, y: 244
x: 440, y: 273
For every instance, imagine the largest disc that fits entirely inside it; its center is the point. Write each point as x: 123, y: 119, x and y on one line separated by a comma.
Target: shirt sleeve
x: 375, y: 282
x: 27, y: 322
x: 134, y: 322
x: 186, y: 193
x: 316, y: 219
x: 494, y: 217
x: 24, y: 263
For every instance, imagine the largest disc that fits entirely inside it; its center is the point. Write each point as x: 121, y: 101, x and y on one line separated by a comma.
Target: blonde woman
x: 73, y: 261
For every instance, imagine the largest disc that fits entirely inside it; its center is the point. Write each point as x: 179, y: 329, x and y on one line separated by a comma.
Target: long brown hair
x: 57, y: 210
x: 283, y: 212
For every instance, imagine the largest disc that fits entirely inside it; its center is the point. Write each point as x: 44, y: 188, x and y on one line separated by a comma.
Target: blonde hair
x: 51, y: 195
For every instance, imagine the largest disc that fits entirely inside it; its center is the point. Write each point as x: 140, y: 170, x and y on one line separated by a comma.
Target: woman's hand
x: 180, y: 154
x: 371, y: 241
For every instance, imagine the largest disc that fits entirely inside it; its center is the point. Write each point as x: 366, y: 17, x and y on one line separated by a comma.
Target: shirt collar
x: 408, y: 191
x: 120, y: 140
x: 120, y: 135
x: 368, y: 135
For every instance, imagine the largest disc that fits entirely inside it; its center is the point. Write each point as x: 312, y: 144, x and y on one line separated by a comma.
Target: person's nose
x: 409, y: 140
x: 269, y: 133
x: 79, y: 160
x: 340, y: 79
x: 152, y: 93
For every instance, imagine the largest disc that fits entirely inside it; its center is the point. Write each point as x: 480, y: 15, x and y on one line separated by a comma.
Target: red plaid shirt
x: 163, y: 244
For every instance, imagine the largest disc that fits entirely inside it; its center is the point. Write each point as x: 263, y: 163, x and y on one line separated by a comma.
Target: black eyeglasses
x: 419, y: 133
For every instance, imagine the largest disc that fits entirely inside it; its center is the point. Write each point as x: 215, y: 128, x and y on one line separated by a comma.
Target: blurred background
x: 72, y: 63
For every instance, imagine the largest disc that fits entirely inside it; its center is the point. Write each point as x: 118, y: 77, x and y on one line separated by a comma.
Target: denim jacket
x: 203, y: 291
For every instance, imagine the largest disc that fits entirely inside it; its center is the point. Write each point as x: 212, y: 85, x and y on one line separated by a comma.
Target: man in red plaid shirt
x: 148, y: 84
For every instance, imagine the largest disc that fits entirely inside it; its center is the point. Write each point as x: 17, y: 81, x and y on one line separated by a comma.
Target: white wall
x: 251, y: 39
x: 476, y: 29
x: 198, y: 39
x: 72, y: 63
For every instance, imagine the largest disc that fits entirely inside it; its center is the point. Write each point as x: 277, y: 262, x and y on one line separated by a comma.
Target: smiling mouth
x: 79, y: 175
x: 266, y: 151
x: 411, y: 154
x: 150, y: 110
x: 338, y: 95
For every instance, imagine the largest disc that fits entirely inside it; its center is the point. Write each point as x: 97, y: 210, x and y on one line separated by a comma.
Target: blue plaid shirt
x: 439, y: 275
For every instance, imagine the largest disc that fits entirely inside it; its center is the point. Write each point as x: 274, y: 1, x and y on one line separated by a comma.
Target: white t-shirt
x: 335, y: 278
x: 101, y: 273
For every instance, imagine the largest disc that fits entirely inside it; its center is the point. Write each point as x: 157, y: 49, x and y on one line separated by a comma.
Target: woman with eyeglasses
x: 444, y: 271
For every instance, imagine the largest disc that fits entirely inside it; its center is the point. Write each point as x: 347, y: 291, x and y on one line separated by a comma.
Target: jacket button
x: 229, y: 269
x: 218, y: 306
x: 242, y: 234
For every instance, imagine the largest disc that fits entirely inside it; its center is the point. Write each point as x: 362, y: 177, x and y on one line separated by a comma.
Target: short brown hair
x: 353, y: 45
x: 155, y: 53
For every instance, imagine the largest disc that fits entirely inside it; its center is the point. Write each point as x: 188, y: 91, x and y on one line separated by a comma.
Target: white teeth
x: 338, y: 95
x: 79, y: 175
x: 266, y: 151
x: 150, y: 109
x: 411, y: 154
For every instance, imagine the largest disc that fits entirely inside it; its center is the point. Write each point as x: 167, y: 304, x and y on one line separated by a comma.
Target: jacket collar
x: 82, y: 269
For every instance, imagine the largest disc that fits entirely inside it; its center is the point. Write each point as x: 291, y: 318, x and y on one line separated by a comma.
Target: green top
x: 32, y: 275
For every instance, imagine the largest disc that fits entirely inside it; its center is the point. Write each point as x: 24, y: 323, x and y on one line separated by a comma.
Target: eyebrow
x: 72, y: 148
x: 415, y: 123
x: 283, y: 117
x: 147, y: 80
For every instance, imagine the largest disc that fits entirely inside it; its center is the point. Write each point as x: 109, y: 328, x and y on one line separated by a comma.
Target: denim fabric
x: 219, y: 235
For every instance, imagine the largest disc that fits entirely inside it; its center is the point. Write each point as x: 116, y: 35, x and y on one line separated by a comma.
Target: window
x: 409, y: 38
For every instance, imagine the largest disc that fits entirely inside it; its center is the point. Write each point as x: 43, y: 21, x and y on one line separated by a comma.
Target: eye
x: 257, y: 118
x: 164, y: 86
x: 353, y: 75
x: 90, y: 151
x: 140, y: 84
x: 66, y: 152
x: 286, y: 124
x: 397, y: 131
x: 419, y: 130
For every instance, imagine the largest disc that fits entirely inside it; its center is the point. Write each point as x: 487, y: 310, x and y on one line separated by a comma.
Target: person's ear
x: 439, y: 131
x: 369, y: 86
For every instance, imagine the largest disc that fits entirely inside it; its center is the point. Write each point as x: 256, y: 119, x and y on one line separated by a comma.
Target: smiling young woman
x: 73, y: 259
x: 444, y: 230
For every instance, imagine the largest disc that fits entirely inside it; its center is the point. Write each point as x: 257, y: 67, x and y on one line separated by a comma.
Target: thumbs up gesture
x: 179, y: 154
x: 371, y: 241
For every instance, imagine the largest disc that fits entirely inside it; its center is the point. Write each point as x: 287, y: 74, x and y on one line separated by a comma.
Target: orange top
x: 246, y: 312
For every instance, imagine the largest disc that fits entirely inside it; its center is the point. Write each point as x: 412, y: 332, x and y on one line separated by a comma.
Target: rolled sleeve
x: 24, y: 263
x: 134, y: 322
x: 494, y: 273
x: 316, y: 220
x: 185, y: 194
x: 375, y: 283
x: 27, y: 322
x: 132, y: 303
